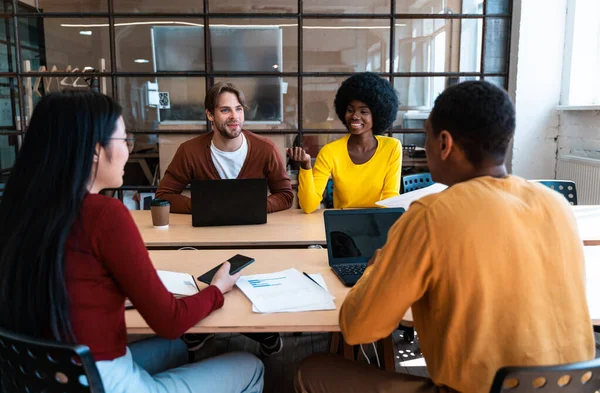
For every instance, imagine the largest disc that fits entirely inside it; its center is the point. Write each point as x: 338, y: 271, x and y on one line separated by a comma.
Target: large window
x: 581, y: 80
x: 158, y: 58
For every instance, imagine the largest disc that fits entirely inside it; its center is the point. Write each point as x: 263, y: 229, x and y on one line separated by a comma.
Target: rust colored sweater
x: 495, y: 274
x: 194, y: 162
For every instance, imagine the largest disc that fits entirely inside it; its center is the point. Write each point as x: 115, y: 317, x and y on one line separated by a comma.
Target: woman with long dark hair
x: 69, y: 257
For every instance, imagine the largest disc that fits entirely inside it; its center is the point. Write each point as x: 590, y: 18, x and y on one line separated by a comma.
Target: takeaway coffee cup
x: 160, y: 213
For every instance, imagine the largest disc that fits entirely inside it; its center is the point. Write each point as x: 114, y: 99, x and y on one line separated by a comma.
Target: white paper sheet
x: 592, y: 278
x: 285, y: 290
x: 404, y: 200
x: 328, y: 305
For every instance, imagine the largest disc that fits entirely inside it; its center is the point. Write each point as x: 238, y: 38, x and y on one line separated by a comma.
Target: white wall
x: 579, y: 134
x: 536, y: 60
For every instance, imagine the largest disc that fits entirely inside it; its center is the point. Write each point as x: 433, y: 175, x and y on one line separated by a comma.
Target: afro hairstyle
x: 373, y: 90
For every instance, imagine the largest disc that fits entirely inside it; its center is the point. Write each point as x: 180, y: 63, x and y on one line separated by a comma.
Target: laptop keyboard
x: 351, y: 269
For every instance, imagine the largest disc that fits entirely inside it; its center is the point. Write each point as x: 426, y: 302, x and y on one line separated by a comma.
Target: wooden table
x: 588, y: 219
x: 284, y: 229
x: 237, y: 315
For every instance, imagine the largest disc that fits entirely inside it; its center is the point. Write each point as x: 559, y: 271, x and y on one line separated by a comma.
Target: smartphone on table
x: 238, y: 262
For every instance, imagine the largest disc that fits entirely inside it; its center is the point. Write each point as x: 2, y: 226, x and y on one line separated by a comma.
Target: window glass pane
x: 318, y: 110
x: 68, y: 6
x: 498, y: 6
x: 250, y: 6
x: 68, y: 42
x: 254, y: 44
x: 8, y: 154
x: 9, y: 105
x: 437, y: 45
x: 496, y: 45
x: 499, y: 81
x: 346, y: 45
x: 272, y: 101
x: 417, y: 96
x: 162, y: 103
x: 414, y: 159
x: 147, y: 45
x: 7, y: 46
x: 347, y: 7
x: 439, y: 6
x: 171, y: 6
x: 313, y: 143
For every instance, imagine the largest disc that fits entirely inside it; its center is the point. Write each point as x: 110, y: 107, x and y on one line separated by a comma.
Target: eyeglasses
x: 130, y: 139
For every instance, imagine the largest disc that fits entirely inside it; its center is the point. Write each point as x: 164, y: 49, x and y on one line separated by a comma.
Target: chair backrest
x: 328, y: 197
x: 583, y: 377
x: 35, y: 365
x: 565, y: 187
x: 415, y: 182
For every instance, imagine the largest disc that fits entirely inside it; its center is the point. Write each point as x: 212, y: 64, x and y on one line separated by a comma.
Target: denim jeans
x: 157, y: 365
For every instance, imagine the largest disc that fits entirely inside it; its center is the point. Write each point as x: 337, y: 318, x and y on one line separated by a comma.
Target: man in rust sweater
x: 228, y: 152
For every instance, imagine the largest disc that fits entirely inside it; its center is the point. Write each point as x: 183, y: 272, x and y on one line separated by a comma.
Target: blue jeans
x: 157, y: 365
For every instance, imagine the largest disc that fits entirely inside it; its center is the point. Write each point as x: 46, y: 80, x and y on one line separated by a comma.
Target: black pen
x: 311, y: 279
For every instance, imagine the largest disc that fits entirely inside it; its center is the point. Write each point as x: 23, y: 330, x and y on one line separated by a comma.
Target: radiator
x: 585, y: 172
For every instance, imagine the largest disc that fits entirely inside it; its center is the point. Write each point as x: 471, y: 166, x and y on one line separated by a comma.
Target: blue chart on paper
x: 268, y: 282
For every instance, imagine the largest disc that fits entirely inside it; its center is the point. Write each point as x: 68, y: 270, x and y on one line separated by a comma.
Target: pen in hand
x: 311, y: 279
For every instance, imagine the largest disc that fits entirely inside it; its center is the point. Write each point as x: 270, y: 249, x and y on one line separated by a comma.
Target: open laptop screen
x: 354, y: 235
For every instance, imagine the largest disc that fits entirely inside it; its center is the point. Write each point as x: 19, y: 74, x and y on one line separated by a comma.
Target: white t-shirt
x: 229, y: 163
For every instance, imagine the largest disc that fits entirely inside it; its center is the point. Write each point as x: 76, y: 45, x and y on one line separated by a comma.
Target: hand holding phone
x: 238, y: 262
x: 223, y: 280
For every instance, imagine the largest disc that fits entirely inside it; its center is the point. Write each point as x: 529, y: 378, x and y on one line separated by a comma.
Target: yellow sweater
x: 495, y: 273
x: 354, y: 185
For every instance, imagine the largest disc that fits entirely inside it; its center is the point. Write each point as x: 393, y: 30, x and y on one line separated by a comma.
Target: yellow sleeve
x: 391, y: 183
x: 311, y: 183
x: 398, y: 278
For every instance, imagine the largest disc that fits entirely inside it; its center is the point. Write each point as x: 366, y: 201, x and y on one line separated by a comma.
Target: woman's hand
x: 223, y: 280
x: 298, y: 154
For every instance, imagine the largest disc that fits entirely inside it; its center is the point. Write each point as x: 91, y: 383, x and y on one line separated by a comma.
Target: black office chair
x: 565, y: 187
x: 415, y: 182
x: 583, y: 377
x: 37, y: 365
x: 328, y: 197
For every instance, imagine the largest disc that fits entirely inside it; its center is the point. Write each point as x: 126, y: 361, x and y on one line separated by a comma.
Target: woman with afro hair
x: 365, y: 165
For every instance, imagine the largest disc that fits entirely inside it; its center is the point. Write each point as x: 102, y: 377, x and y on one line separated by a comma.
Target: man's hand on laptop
x: 223, y: 280
x: 375, y: 254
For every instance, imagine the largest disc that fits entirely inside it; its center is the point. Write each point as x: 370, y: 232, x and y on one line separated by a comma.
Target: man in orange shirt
x: 492, y: 267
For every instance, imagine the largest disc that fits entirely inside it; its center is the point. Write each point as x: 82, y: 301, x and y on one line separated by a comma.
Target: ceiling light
x: 85, y: 32
x: 141, y: 61
x: 275, y: 66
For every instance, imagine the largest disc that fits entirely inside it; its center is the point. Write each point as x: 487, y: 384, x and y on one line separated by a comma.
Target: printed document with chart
x: 286, y: 291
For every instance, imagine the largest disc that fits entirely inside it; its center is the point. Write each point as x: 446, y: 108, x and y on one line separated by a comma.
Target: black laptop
x: 353, y: 236
x: 229, y: 202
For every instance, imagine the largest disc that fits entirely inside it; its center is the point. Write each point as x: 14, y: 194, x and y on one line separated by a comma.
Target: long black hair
x: 41, y: 202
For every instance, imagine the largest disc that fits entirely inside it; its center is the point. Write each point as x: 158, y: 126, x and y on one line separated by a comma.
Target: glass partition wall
x: 158, y: 58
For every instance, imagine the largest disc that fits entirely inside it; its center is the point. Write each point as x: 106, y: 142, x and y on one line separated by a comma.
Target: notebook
x: 179, y: 284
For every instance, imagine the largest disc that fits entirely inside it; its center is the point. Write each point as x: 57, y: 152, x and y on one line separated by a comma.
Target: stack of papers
x: 286, y: 291
x: 404, y: 200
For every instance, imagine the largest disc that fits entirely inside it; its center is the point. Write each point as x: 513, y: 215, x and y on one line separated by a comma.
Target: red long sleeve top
x: 106, y: 261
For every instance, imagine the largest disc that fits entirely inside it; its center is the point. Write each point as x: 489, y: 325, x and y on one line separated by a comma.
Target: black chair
x: 415, y: 182
x: 565, y: 187
x: 583, y: 377
x: 37, y: 365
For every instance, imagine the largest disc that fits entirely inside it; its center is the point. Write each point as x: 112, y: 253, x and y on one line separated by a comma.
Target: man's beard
x: 222, y: 128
